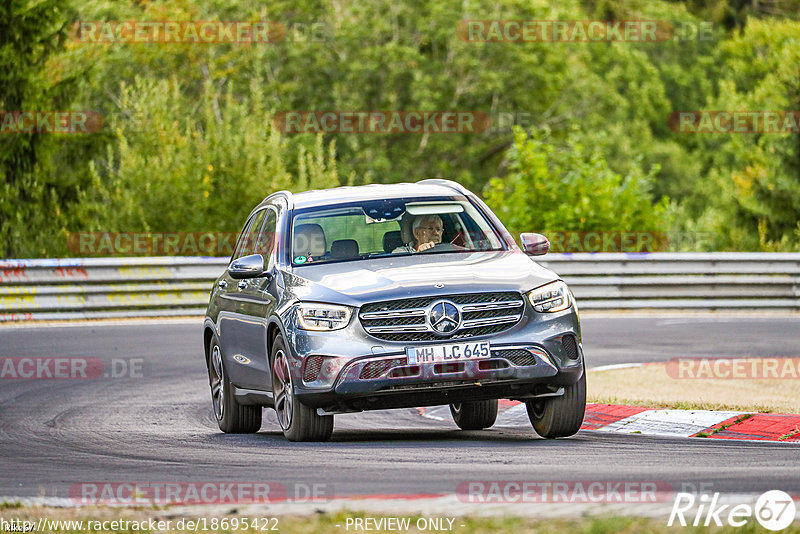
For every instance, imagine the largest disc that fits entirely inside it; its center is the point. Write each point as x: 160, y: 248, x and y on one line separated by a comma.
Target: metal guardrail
x: 677, y: 280
x: 106, y: 287
x: 164, y: 286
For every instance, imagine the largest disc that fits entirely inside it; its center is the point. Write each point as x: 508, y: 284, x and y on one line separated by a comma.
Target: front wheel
x: 298, y: 421
x: 474, y: 415
x: 559, y: 417
x: 232, y: 417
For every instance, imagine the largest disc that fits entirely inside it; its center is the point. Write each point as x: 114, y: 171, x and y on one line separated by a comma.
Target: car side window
x: 249, y: 235
x: 266, y: 240
x: 237, y: 250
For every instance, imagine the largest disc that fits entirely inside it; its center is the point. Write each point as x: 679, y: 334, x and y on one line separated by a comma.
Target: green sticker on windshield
x: 300, y: 259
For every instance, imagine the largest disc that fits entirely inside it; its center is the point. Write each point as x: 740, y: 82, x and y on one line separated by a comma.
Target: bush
x: 561, y: 187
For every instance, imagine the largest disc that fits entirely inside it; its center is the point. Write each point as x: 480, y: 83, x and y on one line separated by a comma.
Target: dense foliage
x: 188, y: 142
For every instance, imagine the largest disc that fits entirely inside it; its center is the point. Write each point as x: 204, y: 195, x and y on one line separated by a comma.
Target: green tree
x: 752, y: 186
x: 553, y: 187
x: 31, y: 33
x: 171, y: 171
x: 183, y: 120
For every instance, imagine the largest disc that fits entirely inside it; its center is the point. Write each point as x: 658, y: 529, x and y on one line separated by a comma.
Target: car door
x: 232, y: 318
x: 256, y: 300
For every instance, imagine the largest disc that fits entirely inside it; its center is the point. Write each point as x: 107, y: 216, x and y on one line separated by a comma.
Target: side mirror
x: 247, y: 267
x: 534, y: 244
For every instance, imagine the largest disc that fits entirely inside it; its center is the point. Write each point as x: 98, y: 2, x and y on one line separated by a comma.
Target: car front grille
x: 312, y: 368
x: 377, y: 368
x: 518, y: 357
x: 407, y: 319
x: 570, y: 347
x: 398, y: 367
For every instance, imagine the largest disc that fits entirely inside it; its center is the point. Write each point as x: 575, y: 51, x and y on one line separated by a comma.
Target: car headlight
x: 552, y: 297
x: 320, y: 317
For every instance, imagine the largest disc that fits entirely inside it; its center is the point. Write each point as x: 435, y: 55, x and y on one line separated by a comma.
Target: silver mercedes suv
x: 389, y: 296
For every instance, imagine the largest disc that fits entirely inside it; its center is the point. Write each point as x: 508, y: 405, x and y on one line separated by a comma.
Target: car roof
x: 424, y: 188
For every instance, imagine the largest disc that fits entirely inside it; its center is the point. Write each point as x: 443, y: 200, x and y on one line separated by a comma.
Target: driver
x: 427, y: 231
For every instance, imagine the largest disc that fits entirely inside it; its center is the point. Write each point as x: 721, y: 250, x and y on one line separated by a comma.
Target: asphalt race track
x: 158, y: 425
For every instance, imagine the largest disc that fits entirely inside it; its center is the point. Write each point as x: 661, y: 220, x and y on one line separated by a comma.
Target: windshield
x: 394, y: 227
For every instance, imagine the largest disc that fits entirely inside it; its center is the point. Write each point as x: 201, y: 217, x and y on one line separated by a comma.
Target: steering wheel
x: 441, y: 247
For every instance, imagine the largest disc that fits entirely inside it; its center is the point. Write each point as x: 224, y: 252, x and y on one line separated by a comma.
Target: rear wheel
x: 232, y: 417
x: 298, y: 421
x: 559, y: 417
x: 474, y: 415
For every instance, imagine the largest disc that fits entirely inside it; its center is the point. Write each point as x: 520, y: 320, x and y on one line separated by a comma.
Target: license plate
x: 452, y: 352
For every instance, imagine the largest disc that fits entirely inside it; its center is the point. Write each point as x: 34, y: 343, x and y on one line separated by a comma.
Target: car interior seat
x: 344, y: 248
x: 406, y: 231
x: 392, y: 240
x: 309, y: 240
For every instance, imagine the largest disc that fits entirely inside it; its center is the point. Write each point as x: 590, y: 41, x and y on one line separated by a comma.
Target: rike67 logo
x: 774, y: 510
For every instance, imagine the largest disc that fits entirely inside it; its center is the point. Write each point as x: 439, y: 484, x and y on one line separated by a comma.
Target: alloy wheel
x: 284, y: 395
x: 217, y: 372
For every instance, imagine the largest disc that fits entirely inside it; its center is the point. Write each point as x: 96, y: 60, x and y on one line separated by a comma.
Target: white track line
x: 615, y: 366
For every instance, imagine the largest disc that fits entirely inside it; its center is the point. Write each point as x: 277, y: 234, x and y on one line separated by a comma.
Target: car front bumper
x: 528, y: 360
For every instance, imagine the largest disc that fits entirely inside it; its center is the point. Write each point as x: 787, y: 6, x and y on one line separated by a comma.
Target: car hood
x: 357, y: 282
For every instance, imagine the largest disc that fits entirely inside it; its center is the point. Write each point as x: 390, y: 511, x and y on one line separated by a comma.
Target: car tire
x: 559, y: 417
x: 298, y: 421
x: 232, y: 417
x: 474, y: 415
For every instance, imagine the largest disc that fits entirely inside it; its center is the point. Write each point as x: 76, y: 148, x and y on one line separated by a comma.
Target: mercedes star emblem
x: 444, y: 317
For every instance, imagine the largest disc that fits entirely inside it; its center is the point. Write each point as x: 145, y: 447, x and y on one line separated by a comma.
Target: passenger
x: 427, y: 231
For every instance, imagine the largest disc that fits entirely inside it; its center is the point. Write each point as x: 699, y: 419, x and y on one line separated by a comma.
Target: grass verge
x: 651, y: 386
